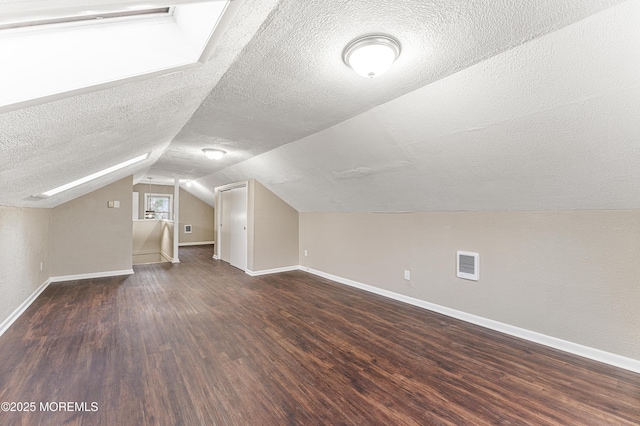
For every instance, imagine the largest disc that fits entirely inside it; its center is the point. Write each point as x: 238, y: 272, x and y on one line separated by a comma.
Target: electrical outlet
x: 116, y: 204
x: 305, y: 253
x: 407, y: 274
x: 41, y: 266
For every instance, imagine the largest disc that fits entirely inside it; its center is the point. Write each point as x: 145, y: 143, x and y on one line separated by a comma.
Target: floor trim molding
x: 144, y: 252
x: 203, y: 243
x: 166, y: 256
x: 532, y: 336
x: 91, y: 275
x: 4, y: 326
x: 271, y: 271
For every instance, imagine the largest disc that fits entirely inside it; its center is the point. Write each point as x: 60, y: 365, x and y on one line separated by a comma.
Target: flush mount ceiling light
x: 371, y: 56
x: 214, y: 154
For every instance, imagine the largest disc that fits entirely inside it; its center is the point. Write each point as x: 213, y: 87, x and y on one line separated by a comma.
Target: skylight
x: 49, y: 57
x: 86, y: 17
x: 93, y: 176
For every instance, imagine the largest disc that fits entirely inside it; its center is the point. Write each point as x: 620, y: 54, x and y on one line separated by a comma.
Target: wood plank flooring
x: 201, y: 343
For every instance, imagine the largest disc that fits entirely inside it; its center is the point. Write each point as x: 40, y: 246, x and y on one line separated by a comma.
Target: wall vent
x: 468, y: 265
x: 187, y: 229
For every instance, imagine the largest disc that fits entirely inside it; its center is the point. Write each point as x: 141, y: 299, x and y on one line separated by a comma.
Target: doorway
x: 232, y: 244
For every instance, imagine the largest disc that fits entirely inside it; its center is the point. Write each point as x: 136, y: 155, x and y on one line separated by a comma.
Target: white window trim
x: 151, y: 194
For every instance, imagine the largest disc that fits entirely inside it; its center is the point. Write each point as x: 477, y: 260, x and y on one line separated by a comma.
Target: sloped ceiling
x: 48, y: 145
x: 491, y: 106
x: 549, y: 125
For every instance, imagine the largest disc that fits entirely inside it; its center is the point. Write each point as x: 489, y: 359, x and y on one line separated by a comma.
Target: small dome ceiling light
x: 371, y: 56
x: 214, y: 154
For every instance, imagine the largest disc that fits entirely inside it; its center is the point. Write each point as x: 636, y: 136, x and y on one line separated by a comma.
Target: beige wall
x: 146, y: 236
x: 573, y: 275
x: 193, y: 212
x: 166, y: 239
x: 24, y: 243
x: 273, y: 230
x: 88, y: 237
x: 199, y: 215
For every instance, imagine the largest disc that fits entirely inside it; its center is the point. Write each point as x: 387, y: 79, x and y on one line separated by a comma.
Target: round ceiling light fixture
x: 371, y: 56
x: 214, y: 154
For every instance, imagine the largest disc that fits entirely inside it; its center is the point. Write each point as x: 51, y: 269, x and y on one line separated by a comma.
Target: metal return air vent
x: 468, y: 265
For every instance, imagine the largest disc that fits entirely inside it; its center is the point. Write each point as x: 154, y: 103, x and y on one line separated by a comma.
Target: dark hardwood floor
x: 201, y: 343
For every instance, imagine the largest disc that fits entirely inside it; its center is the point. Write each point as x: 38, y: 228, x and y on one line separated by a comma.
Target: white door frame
x: 218, y: 203
x: 239, y: 221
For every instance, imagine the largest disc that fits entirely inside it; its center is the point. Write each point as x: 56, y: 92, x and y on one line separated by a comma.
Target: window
x: 93, y: 176
x: 160, y: 11
x: 55, y: 53
x: 158, y: 206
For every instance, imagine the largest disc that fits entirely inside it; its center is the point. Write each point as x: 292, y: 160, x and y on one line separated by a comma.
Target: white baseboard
x: 532, y: 336
x: 203, y: 243
x: 166, y: 256
x: 144, y: 252
x: 4, y: 326
x: 91, y: 275
x: 272, y: 271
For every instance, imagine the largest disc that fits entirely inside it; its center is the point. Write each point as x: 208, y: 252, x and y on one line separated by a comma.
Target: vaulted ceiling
x: 495, y: 105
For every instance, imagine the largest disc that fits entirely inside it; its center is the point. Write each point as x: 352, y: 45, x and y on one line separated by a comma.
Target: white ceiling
x: 51, y: 144
x: 494, y: 105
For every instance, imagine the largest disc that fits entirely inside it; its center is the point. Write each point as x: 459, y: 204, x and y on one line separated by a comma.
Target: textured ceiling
x: 290, y: 81
x: 48, y: 145
x: 550, y: 125
x: 523, y: 128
